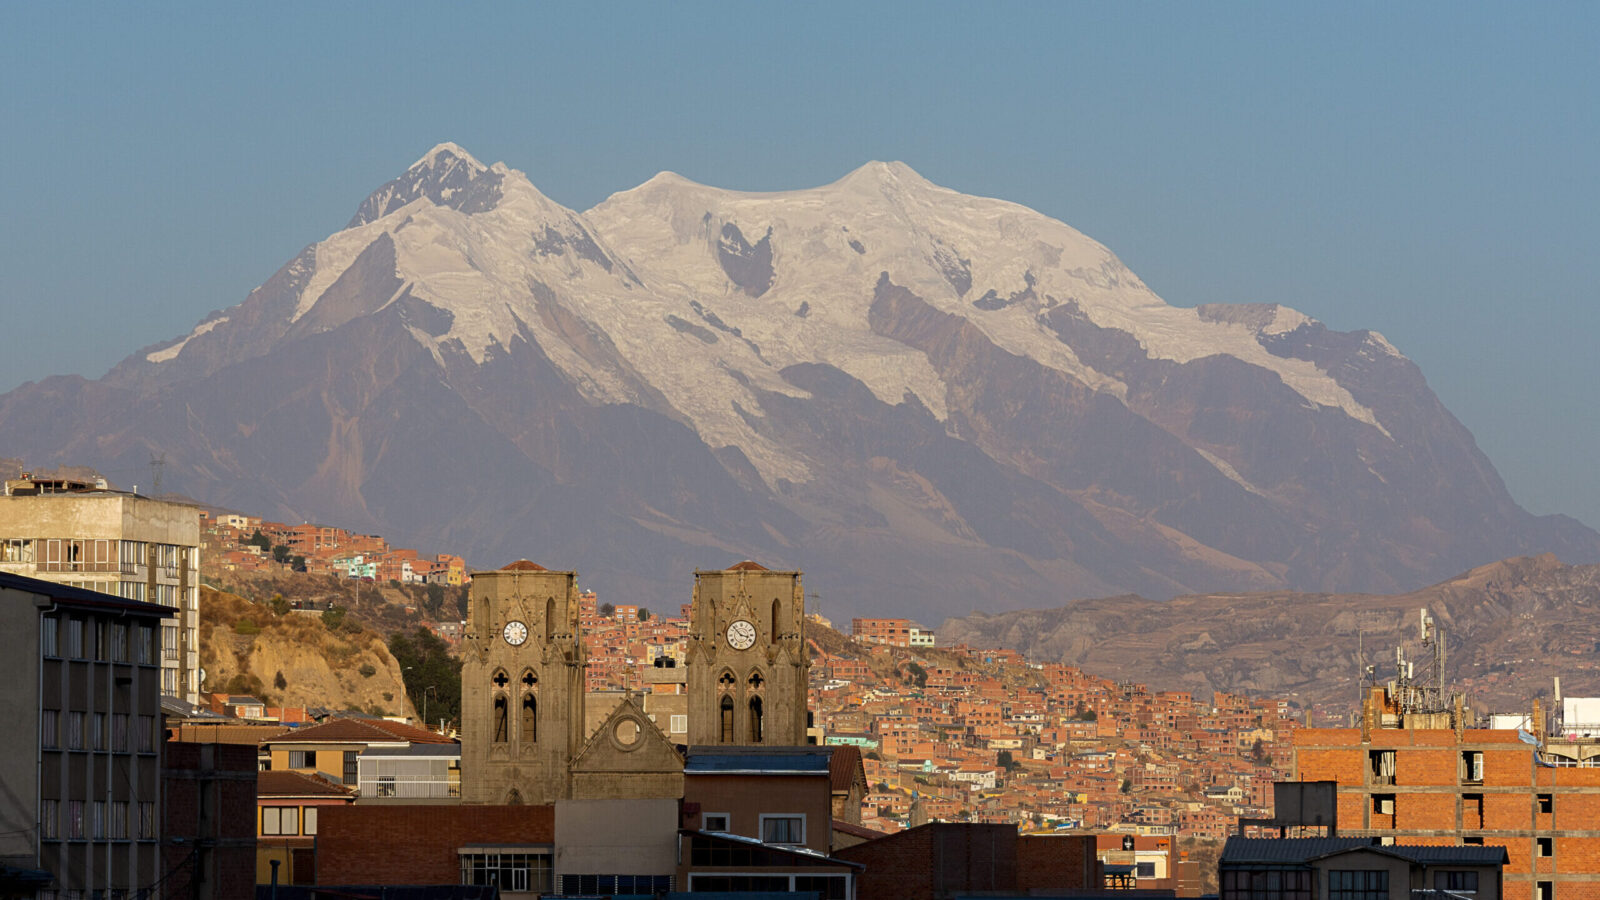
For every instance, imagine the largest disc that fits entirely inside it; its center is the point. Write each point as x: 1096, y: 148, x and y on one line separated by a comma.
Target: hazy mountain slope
x: 1509, y: 627
x: 927, y: 400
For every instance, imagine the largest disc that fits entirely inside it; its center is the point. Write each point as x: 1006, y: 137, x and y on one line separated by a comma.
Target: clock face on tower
x: 741, y: 635
x: 516, y: 633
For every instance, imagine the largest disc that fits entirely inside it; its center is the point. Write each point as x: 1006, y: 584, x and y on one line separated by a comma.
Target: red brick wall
x: 229, y: 857
x: 932, y: 860
x: 1057, y: 863
x: 417, y: 844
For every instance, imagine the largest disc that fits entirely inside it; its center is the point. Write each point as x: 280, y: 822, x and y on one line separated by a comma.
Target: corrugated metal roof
x: 1243, y: 851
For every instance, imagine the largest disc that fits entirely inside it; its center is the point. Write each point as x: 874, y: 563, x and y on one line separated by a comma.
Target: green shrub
x: 246, y: 626
x: 367, y: 670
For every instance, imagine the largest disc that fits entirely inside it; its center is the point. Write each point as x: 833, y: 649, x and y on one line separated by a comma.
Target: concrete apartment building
x: 83, y: 535
x: 80, y: 764
x: 1423, y: 777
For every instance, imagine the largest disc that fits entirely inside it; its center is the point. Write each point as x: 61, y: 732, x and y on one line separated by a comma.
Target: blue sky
x: 1431, y: 171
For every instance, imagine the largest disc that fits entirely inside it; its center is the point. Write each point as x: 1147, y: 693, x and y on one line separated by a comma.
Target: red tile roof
x: 360, y: 731
x: 843, y: 766
x: 297, y: 784
x: 747, y: 566
x: 523, y: 565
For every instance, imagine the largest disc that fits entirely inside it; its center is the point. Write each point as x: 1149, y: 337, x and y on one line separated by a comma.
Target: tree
x: 644, y: 614
x: 333, y: 617
x: 297, y: 563
x: 434, y: 602
x: 916, y: 674
x: 1084, y: 713
x: 259, y: 540
x: 279, y: 605
x: 608, y: 610
x: 281, y: 553
x: 1006, y: 761
x: 432, y: 676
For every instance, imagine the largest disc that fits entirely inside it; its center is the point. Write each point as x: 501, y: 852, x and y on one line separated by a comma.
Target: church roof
x: 523, y: 565
x: 747, y: 566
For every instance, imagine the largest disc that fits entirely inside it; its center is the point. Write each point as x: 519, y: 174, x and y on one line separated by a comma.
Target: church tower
x: 522, y: 686
x: 747, y: 658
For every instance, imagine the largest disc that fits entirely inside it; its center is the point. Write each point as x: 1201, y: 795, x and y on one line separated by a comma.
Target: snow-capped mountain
x: 930, y: 401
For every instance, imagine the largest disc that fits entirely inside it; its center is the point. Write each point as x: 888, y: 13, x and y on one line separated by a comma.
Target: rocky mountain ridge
x: 1510, y: 627
x: 918, y: 396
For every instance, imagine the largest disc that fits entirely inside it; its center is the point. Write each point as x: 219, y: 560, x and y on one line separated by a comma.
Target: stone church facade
x: 522, y: 687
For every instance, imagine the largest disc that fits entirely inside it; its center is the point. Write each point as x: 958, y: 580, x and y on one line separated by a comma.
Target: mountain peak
x: 447, y: 175
x: 445, y: 154
x: 880, y: 174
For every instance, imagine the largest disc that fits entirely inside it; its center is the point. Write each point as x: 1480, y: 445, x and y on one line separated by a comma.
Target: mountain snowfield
x: 828, y: 246
x: 930, y: 401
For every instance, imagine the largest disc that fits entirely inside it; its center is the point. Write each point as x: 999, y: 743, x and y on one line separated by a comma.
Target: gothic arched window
x: 549, y: 617
x: 755, y: 720
x: 727, y: 720
x: 501, y: 726
x: 530, y: 719
x: 777, y: 619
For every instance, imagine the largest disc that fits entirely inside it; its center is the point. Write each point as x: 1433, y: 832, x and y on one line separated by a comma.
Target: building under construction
x: 1419, y: 770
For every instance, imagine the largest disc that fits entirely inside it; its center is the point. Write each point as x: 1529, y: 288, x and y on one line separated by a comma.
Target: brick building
x: 1401, y: 782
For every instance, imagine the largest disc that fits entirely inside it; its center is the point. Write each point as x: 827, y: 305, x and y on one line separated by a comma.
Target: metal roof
x: 758, y: 761
x: 1244, y: 851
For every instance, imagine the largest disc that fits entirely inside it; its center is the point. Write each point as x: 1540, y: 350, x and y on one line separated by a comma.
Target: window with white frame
x: 719, y: 822
x: 679, y: 724
x: 280, y: 820
x: 519, y: 871
x: 783, y: 828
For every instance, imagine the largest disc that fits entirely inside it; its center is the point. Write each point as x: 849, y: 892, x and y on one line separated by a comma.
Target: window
x: 147, y: 734
x: 16, y: 551
x: 1544, y: 846
x: 302, y: 759
x: 119, y: 732
x: 351, y: 775
x: 75, y: 638
x: 50, y: 729
x: 119, y: 820
x: 99, y: 813
x: 97, y: 731
x: 1472, y: 766
x: 49, y: 819
x: 755, y: 720
x: 119, y: 642
x: 1459, y: 882
x: 308, y: 820
x: 1273, y: 885
x: 1472, y: 841
x: 1472, y: 810
x: 1380, y: 765
x: 49, y: 637
x: 1547, y: 890
x: 783, y: 829
x: 74, y: 731
x: 1144, y: 870
x: 727, y: 720
x: 528, y: 871
x: 1347, y: 884
x: 169, y: 641
x: 679, y: 724
x: 147, y: 820
x: 609, y: 885
x: 1383, y: 804
x: 280, y: 820
x: 74, y: 823
x: 1547, y: 803
x: 530, y: 719
x: 501, y: 727
x: 144, y: 652
x: 715, y: 822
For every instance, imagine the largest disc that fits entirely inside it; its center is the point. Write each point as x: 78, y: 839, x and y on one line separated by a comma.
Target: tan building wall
x: 746, y: 798
x: 633, y: 837
x: 120, y: 544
